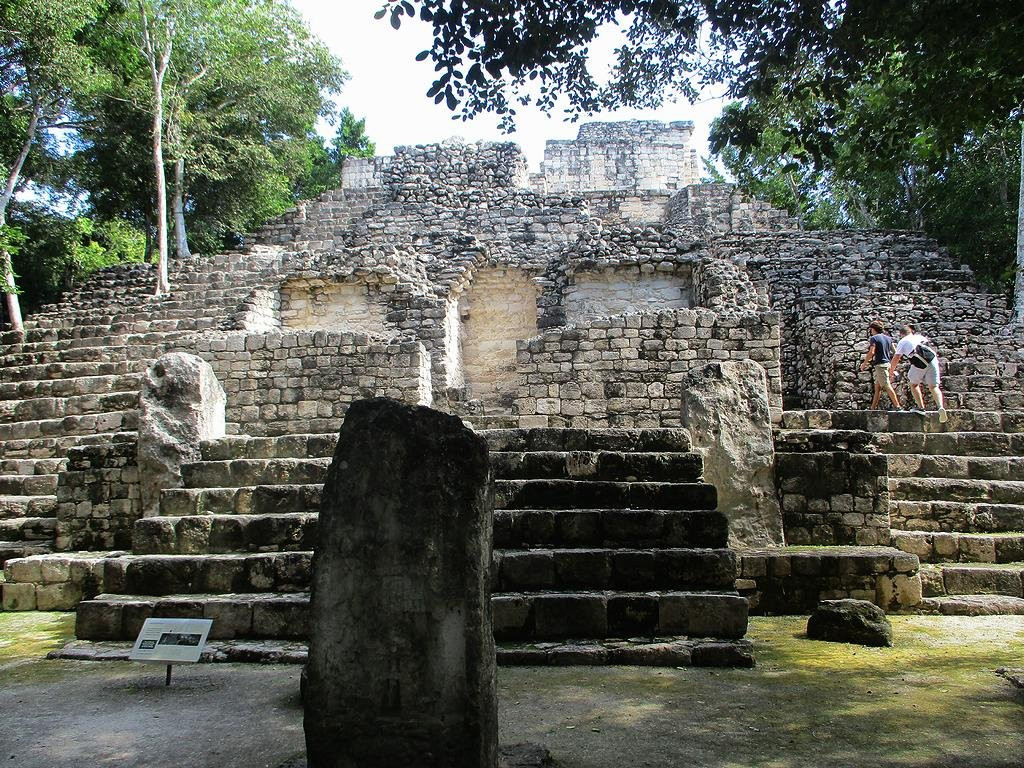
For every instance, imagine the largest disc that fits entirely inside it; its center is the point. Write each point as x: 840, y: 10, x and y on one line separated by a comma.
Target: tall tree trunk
x: 180, y: 238
x: 10, y: 288
x: 1018, y: 293
x: 162, y: 282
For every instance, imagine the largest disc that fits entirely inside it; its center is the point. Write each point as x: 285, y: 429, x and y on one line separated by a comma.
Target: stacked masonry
x: 446, y: 275
x: 953, y: 495
x: 598, y: 535
x: 69, y: 391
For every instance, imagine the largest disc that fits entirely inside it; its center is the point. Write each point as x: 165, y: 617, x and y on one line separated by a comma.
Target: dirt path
x: 931, y: 701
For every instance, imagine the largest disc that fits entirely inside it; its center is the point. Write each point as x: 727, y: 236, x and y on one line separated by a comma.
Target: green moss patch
x: 932, y: 700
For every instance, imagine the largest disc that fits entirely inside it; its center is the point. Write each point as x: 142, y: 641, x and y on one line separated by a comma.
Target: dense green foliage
x: 246, y: 83
x: 56, y: 252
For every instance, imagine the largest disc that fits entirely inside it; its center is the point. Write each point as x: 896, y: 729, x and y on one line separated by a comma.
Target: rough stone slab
x: 181, y: 404
x: 973, y: 605
x: 401, y: 574
x: 725, y: 407
x: 850, y: 621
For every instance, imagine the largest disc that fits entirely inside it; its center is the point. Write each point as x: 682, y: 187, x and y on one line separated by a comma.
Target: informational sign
x: 171, y: 641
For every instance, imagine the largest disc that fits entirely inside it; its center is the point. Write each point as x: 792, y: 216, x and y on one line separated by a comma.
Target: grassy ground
x: 933, y: 700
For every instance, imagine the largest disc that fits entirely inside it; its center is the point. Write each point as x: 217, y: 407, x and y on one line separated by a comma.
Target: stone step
x: 251, y: 500
x: 11, y: 550
x: 598, y: 465
x: 71, y: 370
x: 103, y: 352
x: 16, y: 507
x: 58, y: 407
x: 295, y: 446
x: 56, y: 447
x: 538, y: 616
x: 953, y: 443
x: 73, y: 387
x: 223, y: 534
x: 31, y: 466
x: 620, y: 440
x: 973, y: 605
x: 952, y: 516
x: 943, y: 547
x: 251, y: 472
x: 592, y: 494
x: 540, y: 528
x: 28, y: 528
x: 635, y: 652
x: 946, y: 580
x: 943, y: 489
x: 956, y: 467
x: 28, y: 485
x: 906, y: 421
x: 619, y: 569
x: 84, y: 336
x: 87, y: 424
x: 1001, y: 400
x: 515, y: 529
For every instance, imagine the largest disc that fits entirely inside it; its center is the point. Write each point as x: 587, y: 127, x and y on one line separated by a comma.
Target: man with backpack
x: 924, y: 368
x: 878, y: 358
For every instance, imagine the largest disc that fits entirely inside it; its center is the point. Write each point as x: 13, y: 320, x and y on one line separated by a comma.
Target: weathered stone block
x: 725, y: 406
x: 181, y: 404
x: 18, y: 597
x: 401, y: 573
x: 850, y: 621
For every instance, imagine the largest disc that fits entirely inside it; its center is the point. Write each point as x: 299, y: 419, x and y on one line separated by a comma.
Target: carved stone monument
x: 402, y: 661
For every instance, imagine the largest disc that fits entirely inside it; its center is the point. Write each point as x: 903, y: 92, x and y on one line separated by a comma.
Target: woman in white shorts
x: 917, y: 375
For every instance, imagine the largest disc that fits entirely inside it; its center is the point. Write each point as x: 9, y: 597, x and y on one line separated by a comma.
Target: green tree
x: 45, y: 64
x: 226, y: 79
x: 351, y: 139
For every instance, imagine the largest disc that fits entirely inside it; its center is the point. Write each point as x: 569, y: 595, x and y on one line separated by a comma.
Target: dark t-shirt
x: 883, y: 348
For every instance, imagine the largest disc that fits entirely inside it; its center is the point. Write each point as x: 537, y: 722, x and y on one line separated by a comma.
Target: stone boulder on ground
x: 180, y: 405
x: 850, y: 621
x: 725, y: 408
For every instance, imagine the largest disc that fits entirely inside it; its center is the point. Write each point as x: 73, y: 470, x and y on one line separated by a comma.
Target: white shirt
x: 908, y: 343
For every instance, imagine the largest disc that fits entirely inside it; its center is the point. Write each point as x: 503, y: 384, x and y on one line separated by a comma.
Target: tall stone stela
x: 401, y: 667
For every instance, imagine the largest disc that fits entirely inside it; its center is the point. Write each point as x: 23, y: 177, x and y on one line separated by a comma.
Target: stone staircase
x: 601, y: 537
x: 73, y: 376
x: 956, y: 500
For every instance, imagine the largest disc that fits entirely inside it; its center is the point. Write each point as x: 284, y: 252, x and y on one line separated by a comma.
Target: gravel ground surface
x: 932, y: 700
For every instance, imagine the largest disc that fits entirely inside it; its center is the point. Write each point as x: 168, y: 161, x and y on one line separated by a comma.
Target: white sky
x: 387, y: 86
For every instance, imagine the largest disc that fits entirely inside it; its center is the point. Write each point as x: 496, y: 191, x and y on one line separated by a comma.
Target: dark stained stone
x: 402, y: 661
x: 850, y: 621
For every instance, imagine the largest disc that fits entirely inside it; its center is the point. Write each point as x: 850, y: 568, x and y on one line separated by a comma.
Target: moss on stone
x: 931, y: 700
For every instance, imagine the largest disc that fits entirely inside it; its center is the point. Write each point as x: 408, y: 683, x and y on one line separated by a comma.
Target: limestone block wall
x: 303, y: 382
x: 319, y: 223
x: 498, y: 308
x: 790, y: 581
x: 98, y: 496
x: 591, y: 295
x: 625, y: 206
x: 828, y: 285
x: 834, y: 339
x: 636, y: 154
x: 309, y: 304
x: 627, y: 370
x: 435, y: 173
x: 721, y: 208
x: 834, y: 497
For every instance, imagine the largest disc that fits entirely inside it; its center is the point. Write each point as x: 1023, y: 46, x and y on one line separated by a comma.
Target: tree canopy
x: 244, y: 86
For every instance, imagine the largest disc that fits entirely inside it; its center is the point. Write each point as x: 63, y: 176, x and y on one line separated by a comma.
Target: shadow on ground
x: 932, y: 700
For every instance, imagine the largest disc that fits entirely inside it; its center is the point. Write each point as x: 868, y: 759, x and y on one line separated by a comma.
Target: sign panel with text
x: 171, y: 641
